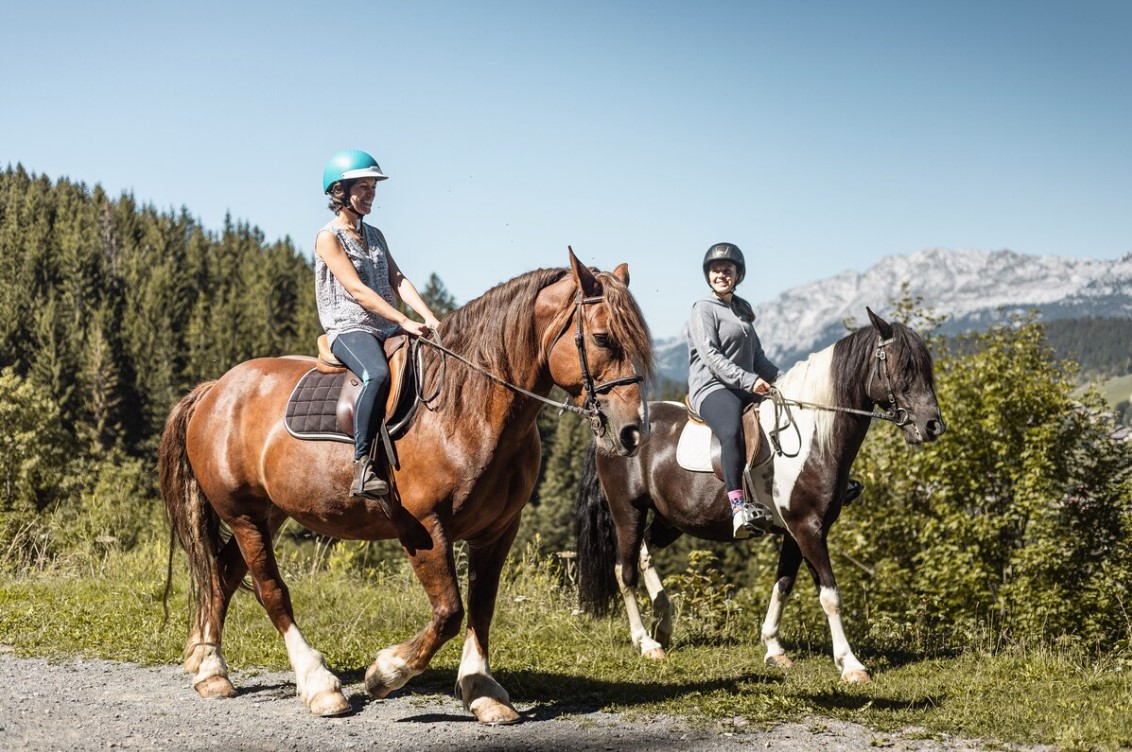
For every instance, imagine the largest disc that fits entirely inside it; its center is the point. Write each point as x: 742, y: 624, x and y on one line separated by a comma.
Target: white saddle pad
x: 693, y: 451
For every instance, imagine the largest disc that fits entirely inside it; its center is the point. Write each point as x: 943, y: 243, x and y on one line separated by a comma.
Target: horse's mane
x: 495, y: 332
x: 837, y: 375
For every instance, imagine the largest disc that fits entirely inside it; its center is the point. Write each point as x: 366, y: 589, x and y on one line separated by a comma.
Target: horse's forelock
x: 627, y: 324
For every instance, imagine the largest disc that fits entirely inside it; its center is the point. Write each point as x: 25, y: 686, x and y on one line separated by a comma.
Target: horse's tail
x: 192, y: 521
x: 597, y: 544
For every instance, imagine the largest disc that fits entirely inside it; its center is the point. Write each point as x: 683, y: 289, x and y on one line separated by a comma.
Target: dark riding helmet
x: 726, y: 252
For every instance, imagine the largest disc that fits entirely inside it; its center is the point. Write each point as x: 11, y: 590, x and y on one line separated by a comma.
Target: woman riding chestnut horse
x: 467, y: 467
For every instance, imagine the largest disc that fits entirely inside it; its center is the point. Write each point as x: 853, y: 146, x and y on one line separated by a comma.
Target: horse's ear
x: 622, y: 273
x: 587, y: 283
x: 882, y: 326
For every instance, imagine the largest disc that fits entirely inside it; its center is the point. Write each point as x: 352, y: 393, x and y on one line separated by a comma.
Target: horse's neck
x: 502, y: 409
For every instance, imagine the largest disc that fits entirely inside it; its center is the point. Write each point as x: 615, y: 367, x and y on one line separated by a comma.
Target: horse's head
x: 901, y: 382
x: 597, y: 349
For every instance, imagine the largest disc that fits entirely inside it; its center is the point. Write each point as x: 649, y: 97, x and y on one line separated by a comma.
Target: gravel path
x: 79, y: 705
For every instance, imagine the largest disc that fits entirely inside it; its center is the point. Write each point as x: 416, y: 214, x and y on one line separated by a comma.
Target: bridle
x: 898, y: 415
x: 591, y: 407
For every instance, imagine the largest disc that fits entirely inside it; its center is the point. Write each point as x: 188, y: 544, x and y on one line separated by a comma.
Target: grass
x: 563, y: 662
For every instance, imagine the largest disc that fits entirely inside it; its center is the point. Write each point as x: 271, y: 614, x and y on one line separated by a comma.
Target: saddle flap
x: 322, y: 404
x: 699, y: 450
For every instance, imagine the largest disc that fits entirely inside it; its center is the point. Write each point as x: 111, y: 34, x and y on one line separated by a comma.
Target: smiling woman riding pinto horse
x: 830, y: 399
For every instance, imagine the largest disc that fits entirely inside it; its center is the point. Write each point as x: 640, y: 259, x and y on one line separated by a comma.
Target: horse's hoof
x: 329, y: 704
x: 376, y: 684
x: 492, y: 712
x: 655, y: 654
x: 779, y: 661
x: 215, y: 687
x: 856, y: 677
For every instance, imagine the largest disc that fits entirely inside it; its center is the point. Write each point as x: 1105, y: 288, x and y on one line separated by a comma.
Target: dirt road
x: 80, y: 705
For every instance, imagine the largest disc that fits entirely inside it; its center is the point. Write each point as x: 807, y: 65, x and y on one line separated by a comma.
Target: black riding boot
x: 367, y: 484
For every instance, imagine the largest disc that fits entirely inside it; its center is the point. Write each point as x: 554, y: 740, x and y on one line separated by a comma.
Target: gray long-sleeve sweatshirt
x: 723, y: 351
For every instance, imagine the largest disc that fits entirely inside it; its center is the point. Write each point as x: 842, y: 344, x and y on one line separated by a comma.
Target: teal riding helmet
x: 350, y: 165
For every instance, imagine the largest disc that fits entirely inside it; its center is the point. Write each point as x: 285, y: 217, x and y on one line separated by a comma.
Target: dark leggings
x: 722, y: 410
x: 364, y: 355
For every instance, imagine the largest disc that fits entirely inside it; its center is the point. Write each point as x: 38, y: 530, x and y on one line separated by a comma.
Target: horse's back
x: 235, y: 420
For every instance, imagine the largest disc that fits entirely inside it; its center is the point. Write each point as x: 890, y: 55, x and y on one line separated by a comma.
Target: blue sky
x: 818, y: 136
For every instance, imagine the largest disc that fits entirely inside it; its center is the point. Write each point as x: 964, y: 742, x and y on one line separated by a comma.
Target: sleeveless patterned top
x: 337, y: 310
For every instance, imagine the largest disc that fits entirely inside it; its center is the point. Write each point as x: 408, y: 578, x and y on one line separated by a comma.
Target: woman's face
x: 361, y: 195
x: 721, y: 277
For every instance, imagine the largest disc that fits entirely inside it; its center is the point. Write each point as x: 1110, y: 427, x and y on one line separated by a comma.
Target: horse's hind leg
x: 789, y: 559
x: 481, y: 693
x: 319, y: 689
x: 203, y: 656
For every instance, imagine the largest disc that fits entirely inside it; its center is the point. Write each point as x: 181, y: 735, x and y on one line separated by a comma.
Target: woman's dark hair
x: 742, y: 308
x: 339, y: 194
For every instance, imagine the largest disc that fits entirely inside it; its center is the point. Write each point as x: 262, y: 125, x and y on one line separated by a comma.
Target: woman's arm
x: 408, y: 293
x: 703, y: 331
x: 330, y: 250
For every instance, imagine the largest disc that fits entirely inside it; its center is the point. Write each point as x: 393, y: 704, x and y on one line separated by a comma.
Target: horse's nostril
x: 630, y: 437
x: 935, y: 427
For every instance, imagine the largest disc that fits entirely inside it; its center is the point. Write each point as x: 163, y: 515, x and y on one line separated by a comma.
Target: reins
x: 502, y: 382
x: 895, y: 414
x: 591, y: 409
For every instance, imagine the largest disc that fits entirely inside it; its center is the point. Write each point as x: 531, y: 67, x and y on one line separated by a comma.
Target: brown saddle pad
x: 321, y: 406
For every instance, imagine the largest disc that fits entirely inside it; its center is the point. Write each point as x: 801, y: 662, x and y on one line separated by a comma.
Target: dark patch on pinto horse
x: 885, y: 365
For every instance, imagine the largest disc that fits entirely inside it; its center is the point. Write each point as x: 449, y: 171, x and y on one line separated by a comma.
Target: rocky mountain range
x: 973, y: 288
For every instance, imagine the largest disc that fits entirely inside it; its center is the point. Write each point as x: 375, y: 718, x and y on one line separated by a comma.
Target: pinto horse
x: 885, y: 364
x: 467, y: 466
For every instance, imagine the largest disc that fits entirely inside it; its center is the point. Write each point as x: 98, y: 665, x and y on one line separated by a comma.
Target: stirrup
x: 749, y: 520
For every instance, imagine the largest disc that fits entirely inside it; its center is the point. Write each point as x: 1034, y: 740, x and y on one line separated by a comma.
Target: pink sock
x: 735, y: 497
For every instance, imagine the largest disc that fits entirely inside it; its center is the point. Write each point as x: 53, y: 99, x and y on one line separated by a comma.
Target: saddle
x: 321, y: 406
x: 699, y: 451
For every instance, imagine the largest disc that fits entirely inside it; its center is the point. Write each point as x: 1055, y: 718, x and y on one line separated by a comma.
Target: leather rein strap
x: 896, y: 414
x: 591, y: 408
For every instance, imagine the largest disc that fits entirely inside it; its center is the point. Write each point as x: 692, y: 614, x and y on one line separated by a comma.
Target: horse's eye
x: 603, y: 340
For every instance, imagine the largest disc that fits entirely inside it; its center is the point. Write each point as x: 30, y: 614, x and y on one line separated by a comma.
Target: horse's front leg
x: 482, y: 695
x: 319, y: 689
x: 649, y: 647
x: 661, y: 627
x: 813, y: 547
x: 436, y: 570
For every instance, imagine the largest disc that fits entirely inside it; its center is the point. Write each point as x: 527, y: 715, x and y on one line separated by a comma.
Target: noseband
x: 898, y: 415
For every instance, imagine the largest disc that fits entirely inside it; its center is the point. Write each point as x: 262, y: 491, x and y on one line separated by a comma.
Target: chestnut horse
x: 468, y: 464
x: 885, y: 365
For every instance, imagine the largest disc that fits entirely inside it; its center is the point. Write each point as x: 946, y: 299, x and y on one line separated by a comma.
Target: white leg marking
x: 392, y: 670
x: 312, y: 678
x: 843, y: 656
x: 481, y: 693
x: 661, y: 629
x: 775, y: 653
x: 640, y: 636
